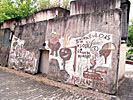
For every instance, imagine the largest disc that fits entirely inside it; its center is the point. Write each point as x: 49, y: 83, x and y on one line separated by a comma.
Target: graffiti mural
x: 65, y: 54
x: 20, y: 57
x: 106, y: 50
x: 54, y: 43
x: 87, y: 58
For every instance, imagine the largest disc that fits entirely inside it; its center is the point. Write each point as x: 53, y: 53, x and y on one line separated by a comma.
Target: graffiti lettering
x: 82, y: 81
x: 84, y: 56
x: 94, y: 35
x: 107, y: 37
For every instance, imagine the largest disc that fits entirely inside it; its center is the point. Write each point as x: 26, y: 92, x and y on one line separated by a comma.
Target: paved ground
x: 126, y: 88
x: 14, y: 87
x: 21, y: 86
x: 125, y: 91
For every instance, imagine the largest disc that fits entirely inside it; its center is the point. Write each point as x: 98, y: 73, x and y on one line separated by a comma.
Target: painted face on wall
x: 65, y: 54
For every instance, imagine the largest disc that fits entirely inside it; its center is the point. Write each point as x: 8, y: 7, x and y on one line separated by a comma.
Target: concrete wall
x: 4, y: 46
x: 24, y: 53
x: 89, y: 6
x: 45, y: 14
x: 83, y: 49
x: 122, y: 61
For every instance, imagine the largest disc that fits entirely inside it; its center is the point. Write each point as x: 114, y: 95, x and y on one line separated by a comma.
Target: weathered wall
x: 8, y: 24
x: 27, y: 41
x: 4, y: 46
x: 45, y: 14
x: 42, y: 15
x: 89, y: 6
x: 83, y: 49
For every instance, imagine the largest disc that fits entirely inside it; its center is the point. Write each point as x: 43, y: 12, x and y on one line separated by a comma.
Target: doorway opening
x: 44, y: 62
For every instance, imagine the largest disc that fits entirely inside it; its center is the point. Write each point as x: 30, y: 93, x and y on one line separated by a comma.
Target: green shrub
x: 128, y: 54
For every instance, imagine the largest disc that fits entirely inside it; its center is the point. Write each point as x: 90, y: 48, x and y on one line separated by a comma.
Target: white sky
x: 131, y: 9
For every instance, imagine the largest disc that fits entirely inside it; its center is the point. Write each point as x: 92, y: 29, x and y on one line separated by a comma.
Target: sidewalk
x: 16, y: 85
x: 125, y: 91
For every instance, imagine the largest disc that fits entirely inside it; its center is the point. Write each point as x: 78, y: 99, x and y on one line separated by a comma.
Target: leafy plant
x: 128, y: 53
x: 21, y: 8
x: 43, y: 4
x: 16, y: 9
x: 130, y: 34
x: 66, y: 4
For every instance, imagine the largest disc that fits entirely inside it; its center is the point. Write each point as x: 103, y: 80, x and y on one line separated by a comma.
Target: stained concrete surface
x: 14, y: 87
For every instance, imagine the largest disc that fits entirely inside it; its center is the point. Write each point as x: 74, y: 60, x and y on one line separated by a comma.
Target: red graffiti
x: 106, y: 50
x: 75, y: 58
x: 93, y: 62
x: 98, y: 84
x: 54, y: 44
x: 54, y: 39
x: 14, y: 44
x: 93, y: 74
x: 65, y: 54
